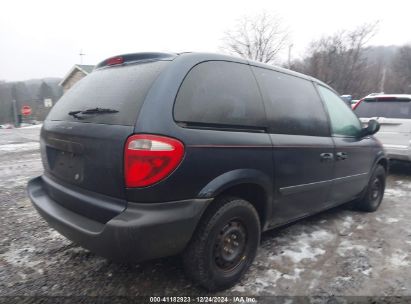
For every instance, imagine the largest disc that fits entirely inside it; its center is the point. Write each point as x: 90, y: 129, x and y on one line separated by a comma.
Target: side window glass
x: 343, y: 121
x: 222, y: 93
x: 293, y: 105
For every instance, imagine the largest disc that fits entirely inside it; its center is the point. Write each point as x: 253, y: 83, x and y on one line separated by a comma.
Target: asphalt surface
x: 338, y: 252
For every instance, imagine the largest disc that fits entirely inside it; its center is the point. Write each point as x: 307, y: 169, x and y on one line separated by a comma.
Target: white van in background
x: 393, y: 112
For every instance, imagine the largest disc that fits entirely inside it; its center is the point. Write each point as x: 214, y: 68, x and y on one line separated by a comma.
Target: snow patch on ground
x: 268, y: 278
x: 238, y: 288
x: 396, y: 192
x: 19, y: 147
x: 295, y: 276
x: 346, y: 225
x: 405, y: 184
x: 389, y: 220
x: 367, y: 272
x: 347, y: 247
x: 32, y: 126
x: 305, y: 247
x: 305, y: 252
x: 399, y: 259
x: 264, y: 280
x: 20, y: 257
x: 348, y: 221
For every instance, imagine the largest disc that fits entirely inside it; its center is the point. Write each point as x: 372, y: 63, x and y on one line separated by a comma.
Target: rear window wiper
x: 92, y: 111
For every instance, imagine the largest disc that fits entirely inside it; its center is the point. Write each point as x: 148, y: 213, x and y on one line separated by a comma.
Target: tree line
x: 344, y: 60
x: 30, y: 92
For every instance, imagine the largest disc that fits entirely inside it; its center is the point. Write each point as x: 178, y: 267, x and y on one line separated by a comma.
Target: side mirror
x: 372, y: 128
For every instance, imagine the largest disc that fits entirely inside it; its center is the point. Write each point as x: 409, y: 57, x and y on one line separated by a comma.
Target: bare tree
x: 399, y: 78
x: 260, y: 38
x: 340, y: 61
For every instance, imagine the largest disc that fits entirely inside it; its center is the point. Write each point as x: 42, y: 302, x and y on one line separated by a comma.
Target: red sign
x: 26, y: 110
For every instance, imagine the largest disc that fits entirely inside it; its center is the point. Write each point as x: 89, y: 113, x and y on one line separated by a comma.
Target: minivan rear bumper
x: 140, y: 232
x: 398, y: 152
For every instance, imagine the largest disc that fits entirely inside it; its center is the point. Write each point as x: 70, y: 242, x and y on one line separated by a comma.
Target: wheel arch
x: 249, y: 184
x: 382, y: 160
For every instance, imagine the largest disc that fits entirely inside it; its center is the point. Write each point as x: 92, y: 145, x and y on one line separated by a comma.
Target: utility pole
x: 15, y: 114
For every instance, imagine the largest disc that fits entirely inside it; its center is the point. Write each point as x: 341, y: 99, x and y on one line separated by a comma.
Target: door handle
x: 341, y: 155
x: 327, y: 156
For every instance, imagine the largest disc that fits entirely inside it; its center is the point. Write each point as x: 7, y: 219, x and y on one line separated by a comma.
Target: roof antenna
x: 81, y: 54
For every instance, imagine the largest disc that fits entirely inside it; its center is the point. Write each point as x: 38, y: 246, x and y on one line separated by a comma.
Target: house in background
x: 78, y: 72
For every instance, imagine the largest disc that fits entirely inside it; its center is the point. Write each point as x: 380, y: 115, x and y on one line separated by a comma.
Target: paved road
x: 338, y: 252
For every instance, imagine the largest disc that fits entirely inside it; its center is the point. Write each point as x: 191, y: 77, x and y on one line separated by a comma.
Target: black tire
x: 224, y: 245
x: 375, y: 191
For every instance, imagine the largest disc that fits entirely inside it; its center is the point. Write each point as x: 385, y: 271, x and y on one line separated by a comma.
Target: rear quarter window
x: 122, y: 88
x: 220, y: 93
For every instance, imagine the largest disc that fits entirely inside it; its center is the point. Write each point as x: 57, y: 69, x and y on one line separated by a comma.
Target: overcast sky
x: 43, y: 38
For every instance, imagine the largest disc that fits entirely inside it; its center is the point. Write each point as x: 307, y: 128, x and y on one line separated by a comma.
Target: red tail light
x: 150, y: 158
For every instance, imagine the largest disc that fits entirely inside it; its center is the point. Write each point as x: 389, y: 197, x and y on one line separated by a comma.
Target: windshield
x: 117, y: 92
x: 388, y: 109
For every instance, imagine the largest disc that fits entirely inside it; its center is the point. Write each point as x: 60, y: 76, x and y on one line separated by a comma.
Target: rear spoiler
x: 136, y: 57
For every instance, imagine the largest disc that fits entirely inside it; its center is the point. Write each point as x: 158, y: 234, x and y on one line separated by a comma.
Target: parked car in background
x: 198, y: 154
x: 393, y: 112
x: 347, y: 99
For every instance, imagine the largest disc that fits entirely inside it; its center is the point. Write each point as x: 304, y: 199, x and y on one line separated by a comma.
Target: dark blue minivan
x: 157, y: 154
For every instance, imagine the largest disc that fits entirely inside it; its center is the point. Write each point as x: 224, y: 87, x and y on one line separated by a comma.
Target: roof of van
x: 150, y: 56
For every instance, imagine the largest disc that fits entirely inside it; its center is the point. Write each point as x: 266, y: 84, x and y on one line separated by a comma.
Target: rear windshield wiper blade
x: 92, y: 111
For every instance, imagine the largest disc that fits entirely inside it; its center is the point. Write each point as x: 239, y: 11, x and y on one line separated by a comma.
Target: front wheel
x: 375, y: 191
x: 224, y: 244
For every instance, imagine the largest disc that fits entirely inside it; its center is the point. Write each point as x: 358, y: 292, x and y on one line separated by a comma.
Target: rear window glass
x: 122, y: 89
x: 221, y: 93
x: 389, y: 109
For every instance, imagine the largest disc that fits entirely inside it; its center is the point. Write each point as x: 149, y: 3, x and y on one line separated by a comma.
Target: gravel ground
x: 338, y: 252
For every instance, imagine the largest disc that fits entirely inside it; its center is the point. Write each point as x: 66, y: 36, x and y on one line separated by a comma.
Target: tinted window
x: 389, y: 109
x: 219, y: 92
x: 293, y: 104
x: 119, y: 88
x: 343, y: 120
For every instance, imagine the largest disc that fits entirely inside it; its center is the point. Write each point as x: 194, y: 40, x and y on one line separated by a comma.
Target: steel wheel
x: 230, y: 246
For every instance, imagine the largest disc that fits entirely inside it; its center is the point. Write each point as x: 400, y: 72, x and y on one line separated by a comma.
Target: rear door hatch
x: 82, y: 140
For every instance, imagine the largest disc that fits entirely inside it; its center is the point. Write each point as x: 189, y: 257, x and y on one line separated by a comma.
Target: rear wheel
x: 375, y: 191
x: 224, y: 244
